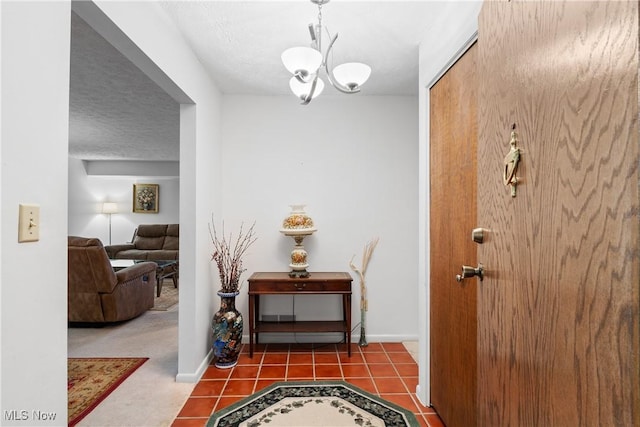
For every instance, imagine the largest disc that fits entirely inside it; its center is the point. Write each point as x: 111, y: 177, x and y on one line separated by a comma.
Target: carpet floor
x: 91, y: 380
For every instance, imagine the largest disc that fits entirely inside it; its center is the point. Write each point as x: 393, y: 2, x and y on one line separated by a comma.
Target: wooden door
x: 453, y: 136
x: 558, y: 308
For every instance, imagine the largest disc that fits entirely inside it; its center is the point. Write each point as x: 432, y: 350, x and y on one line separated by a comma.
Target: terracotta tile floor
x: 384, y: 369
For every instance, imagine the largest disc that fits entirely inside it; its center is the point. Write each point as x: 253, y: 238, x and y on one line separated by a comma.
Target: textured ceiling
x: 116, y: 112
x: 240, y: 42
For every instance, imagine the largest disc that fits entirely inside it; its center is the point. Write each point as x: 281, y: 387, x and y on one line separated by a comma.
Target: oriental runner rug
x: 310, y: 404
x: 91, y: 380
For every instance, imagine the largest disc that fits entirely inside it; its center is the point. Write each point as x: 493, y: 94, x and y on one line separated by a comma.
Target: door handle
x: 471, y: 272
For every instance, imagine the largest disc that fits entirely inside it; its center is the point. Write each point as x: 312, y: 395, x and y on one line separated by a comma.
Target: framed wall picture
x: 145, y: 198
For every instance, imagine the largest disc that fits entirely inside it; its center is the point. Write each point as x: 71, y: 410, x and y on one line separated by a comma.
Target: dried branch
x: 366, y: 257
x: 228, y: 254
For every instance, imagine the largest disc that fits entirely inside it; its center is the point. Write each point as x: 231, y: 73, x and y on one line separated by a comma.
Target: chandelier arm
x: 308, y: 98
x: 300, y: 76
x: 334, y: 83
x: 326, y: 55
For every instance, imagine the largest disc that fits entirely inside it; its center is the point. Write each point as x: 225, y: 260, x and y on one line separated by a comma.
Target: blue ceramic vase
x: 227, y: 332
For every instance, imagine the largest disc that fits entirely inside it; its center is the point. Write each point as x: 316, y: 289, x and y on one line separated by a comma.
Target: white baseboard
x: 418, y: 394
x: 386, y: 338
x: 195, y: 377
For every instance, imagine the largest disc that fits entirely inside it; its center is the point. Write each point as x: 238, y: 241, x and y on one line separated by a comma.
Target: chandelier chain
x: 319, y: 29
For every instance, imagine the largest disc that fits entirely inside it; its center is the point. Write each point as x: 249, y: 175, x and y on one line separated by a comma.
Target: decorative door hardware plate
x: 511, y: 162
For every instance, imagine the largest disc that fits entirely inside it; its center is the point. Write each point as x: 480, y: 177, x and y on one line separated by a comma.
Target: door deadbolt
x: 477, y: 235
x: 470, y: 272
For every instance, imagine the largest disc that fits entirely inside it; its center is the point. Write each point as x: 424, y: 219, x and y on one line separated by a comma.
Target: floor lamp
x: 109, y: 208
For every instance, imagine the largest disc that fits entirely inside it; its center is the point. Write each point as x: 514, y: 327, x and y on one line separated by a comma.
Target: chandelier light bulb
x: 301, y: 90
x: 352, y: 74
x: 304, y: 60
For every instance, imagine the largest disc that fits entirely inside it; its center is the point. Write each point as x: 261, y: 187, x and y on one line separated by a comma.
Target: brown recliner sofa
x: 98, y: 294
x: 150, y: 242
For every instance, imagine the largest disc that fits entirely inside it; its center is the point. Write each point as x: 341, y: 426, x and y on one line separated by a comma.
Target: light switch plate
x: 28, y: 223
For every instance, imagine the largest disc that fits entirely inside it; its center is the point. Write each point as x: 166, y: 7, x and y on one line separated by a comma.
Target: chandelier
x: 305, y: 63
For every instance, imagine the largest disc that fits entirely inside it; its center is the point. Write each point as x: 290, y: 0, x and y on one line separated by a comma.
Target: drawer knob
x: 300, y: 286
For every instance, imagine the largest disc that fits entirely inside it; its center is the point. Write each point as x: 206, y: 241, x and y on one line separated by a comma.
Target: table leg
x: 257, y: 316
x: 346, y: 306
x: 252, y: 306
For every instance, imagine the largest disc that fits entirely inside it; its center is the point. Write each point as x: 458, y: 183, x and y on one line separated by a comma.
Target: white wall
x: 33, y: 310
x: 87, y: 192
x: 143, y: 33
x: 353, y: 161
x: 34, y: 169
x: 440, y: 47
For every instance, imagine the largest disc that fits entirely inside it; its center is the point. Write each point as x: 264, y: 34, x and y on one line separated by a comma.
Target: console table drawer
x: 300, y: 286
x: 335, y: 283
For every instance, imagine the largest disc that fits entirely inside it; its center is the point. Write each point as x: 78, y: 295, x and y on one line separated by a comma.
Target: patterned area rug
x: 168, y: 297
x: 91, y: 380
x: 315, y: 403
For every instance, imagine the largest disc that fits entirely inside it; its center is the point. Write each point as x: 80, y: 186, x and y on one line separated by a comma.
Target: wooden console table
x: 316, y: 284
